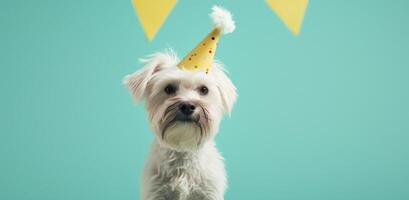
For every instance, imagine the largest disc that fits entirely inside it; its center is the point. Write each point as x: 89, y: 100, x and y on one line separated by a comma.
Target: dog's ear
x: 138, y: 81
x: 226, y: 88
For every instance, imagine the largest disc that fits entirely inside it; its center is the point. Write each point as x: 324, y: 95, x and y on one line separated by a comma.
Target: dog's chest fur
x: 181, y: 170
x: 186, y: 175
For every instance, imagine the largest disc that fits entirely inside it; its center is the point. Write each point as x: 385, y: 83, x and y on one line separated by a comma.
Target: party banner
x: 153, y: 13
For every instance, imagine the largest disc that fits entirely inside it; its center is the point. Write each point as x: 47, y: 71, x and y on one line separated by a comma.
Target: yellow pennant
x: 291, y: 12
x: 152, y: 14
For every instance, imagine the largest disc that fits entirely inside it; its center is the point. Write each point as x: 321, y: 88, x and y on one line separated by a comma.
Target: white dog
x: 184, y: 110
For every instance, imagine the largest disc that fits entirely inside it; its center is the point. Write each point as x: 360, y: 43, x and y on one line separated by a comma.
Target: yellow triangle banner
x: 152, y: 14
x: 291, y: 12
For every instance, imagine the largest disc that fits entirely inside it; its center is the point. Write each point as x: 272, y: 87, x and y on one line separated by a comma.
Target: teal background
x: 321, y: 116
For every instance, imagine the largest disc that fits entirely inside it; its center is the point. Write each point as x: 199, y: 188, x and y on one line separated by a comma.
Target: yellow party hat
x: 201, y: 57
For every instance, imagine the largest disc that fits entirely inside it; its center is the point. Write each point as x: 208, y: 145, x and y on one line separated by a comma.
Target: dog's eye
x: 204, y: 90
x: 170, y: 89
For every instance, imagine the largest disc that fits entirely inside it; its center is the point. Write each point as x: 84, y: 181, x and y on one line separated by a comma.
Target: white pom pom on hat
x: 222, y: 19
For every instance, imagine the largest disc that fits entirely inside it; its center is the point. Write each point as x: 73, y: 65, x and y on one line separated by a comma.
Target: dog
x: 184, y: 110
x: 185, y: 102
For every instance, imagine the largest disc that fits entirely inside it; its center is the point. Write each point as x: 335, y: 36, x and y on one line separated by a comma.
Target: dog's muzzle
x: 187, y: 112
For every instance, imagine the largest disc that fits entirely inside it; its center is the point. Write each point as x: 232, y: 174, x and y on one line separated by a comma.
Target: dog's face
x: 184, y: 107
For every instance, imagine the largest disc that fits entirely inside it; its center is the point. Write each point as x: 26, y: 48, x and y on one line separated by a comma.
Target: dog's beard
x: 185, y: 133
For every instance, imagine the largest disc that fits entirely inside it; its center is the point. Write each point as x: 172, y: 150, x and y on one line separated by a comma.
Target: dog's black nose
x: 187, y: 108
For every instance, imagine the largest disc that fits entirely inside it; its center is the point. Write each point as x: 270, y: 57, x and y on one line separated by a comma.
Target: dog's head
x: 184, y: 107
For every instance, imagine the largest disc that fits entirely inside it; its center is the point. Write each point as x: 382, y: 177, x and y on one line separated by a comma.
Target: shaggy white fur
x: 183, y: 163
